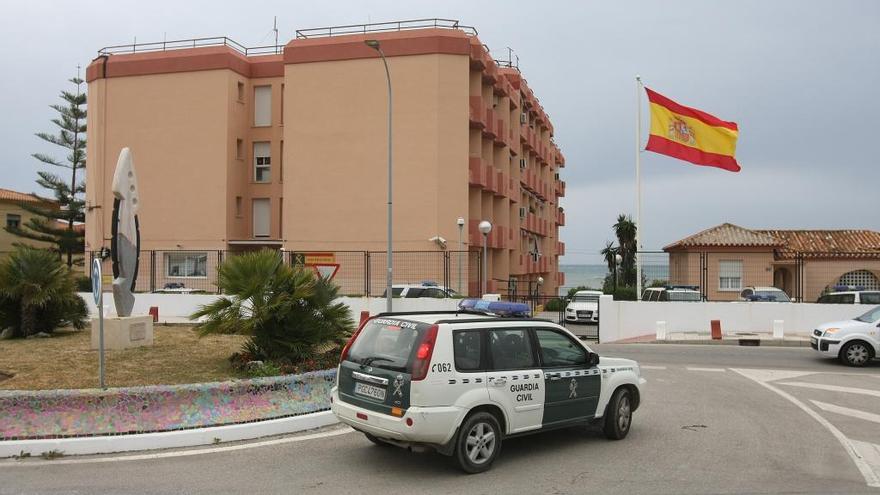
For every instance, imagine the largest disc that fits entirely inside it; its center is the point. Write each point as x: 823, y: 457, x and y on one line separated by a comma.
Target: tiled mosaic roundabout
x: 89, y: 412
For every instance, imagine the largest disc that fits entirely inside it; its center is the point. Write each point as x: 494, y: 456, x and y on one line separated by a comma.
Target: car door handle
x: 553, y: 376
x: 498, y: 381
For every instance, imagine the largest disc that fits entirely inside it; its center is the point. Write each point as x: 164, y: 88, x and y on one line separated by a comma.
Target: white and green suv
x: 460, y: 383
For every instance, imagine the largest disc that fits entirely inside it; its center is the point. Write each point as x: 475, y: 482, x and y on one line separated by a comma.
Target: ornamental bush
x: 288, y: 312
x: 38, y: 293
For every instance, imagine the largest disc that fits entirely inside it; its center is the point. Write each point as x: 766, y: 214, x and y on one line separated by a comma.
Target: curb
x: 167, y: 439
x: 737, y: 342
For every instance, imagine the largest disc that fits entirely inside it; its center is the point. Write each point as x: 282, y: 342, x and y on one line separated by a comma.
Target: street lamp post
x: 485, y: 227
x: 374, y: 44
x: 460, y: 229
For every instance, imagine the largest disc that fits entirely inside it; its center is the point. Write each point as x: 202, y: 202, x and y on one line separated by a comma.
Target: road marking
x: 705, y: 369
x: 853, y: 413
x: 834, y: 388
x: 182, y: 453
x: 871, y: 475
x: 646, y: 367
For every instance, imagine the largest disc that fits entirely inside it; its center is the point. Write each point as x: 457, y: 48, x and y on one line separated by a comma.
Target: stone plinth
x: 124, y: 332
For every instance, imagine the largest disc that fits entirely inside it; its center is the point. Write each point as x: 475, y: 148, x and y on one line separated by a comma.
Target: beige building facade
x: 725, y: 259
x: 288, y: 150
x: 13, y: 215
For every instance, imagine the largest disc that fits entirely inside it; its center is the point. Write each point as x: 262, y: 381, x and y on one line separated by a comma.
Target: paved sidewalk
x: 738, y: 338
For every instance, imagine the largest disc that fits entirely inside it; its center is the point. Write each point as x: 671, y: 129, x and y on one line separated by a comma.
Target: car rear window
x: 869, y: 297
x: 586, y: 298
x: 387, y: 343
x: 683, y: 296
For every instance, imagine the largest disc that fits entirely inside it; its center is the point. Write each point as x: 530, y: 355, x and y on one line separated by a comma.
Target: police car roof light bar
x: 498, y: 308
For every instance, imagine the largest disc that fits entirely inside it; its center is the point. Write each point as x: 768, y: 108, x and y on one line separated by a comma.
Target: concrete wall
x: 621, y: 320
x: 178, y: 307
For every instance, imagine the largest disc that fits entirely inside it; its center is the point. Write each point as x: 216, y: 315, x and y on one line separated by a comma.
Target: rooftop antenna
x: 275, y: 28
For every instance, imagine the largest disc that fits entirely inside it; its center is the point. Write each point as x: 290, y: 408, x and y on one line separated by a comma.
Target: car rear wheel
x: 618, y: 415
x: 855, y: 354
x: 478, y: 444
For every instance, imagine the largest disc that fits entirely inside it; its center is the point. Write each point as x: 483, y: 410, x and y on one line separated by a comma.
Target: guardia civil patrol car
x: 461, y: 382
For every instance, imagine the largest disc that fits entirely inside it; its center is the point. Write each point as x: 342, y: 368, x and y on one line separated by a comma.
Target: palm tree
x: 609, y: 253
x: 287, y: 311
x: 625, y: 230
x: 38, y: 293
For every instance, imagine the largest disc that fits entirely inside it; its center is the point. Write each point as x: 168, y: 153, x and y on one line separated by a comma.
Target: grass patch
x: 66, y: 360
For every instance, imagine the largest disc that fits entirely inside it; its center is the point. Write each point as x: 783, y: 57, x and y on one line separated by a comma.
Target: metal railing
x: 160, y: 46
x: 357, y: 273
x: 382, y: 27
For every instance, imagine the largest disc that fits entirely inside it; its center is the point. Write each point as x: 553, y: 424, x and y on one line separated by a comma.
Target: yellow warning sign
x: 319, y: 258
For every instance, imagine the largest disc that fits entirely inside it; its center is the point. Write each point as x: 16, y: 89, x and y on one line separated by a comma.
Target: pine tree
x: 54, y: 222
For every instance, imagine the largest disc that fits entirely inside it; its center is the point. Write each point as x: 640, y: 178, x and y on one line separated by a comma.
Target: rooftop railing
x: 382, y: 27
x: 161, y: 46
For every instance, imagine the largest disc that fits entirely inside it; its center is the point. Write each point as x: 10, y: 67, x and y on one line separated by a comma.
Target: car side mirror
x: 593, y: 359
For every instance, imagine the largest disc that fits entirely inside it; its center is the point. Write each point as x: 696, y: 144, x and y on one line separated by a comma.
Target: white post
x: 778, y: 329
x: 638, y: 187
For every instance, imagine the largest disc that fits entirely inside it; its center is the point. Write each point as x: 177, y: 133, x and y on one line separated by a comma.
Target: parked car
x: 584, y: 307
x: 672, y: 293
x: 854, y: 342
x: 462, y: 383
x: 763, y: 294
x: 421, y: 290
x: 851, y: 297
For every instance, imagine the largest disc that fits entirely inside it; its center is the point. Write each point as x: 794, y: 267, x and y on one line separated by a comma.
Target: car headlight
x: 831, y: 331
x: 569, y: 310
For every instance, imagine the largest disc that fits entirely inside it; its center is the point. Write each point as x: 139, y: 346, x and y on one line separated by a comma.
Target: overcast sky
x: 798, y: 77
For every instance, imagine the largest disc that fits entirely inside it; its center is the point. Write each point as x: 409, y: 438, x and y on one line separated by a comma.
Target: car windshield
x: 683, y: 296
x: 586, y: 298
x: 771, y: 295
x: 386, y: 343
x: 870, y: 316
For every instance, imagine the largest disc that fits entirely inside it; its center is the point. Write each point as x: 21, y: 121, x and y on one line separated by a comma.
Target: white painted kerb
x: 168, y: 439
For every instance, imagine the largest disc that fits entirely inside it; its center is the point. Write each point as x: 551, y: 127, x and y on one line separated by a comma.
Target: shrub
x: 83, y: 283
x: 265, y: 369
x: 553, y: 305
x: 625, y: 294
x: 288, y: 313
x: 38, y: 293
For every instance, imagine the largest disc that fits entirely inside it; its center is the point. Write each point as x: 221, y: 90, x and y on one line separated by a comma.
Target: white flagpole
x: 638, y: 187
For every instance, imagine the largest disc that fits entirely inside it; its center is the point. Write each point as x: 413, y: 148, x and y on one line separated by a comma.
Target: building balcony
x: 560, y: 248
x: 528, y: 264
x: 499, y: 237
x: 560, y: 217
x: 477, y: 112
x: 490, y: 123
x: 477, y: 172
x: 560, y: 277
x: 559, y: 186
x: 533, y: 223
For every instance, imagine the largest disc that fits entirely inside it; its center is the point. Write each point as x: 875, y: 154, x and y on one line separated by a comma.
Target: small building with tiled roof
x: 724, y: 259
x: 13, y: 215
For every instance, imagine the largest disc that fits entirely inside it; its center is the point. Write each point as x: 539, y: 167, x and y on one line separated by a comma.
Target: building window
x: 262, y: 213
x: 241, y: 91
x: 186, y: 265
x: 13, y: 221
x: 730, y: 275
x: 282, y: 104
x: 239, y: 149
x: 238, y: 206
x: 281, y: 163
x: 262, y: 106
x: 262, y: 162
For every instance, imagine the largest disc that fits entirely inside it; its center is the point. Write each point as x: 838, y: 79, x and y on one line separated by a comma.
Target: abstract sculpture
x: 126, y: 237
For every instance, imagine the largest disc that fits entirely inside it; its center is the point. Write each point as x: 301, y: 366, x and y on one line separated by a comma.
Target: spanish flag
x: 690, y: 134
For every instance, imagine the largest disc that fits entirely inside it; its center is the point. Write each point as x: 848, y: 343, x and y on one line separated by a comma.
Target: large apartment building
x: 236, y: 148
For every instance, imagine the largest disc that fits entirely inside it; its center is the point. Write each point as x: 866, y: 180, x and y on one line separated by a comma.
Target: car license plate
x: 369, y: 391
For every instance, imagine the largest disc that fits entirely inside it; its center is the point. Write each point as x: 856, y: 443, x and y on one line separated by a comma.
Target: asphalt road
x: 714, y: 419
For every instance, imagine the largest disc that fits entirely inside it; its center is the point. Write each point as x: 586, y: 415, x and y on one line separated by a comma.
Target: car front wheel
x: 618, y: 415
x: 478, y: 444
x: 855, y: 354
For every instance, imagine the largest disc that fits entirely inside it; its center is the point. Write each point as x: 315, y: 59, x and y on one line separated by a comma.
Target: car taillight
x: 423, y: 355
x: 354, y: 336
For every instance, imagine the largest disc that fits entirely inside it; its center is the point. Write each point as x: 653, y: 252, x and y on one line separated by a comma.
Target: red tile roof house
x: 803, y: 263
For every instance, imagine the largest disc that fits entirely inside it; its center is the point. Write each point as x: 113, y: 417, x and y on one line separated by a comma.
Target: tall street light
x: 460, y: 229
x: 374, y: 44
x: 485, y: 227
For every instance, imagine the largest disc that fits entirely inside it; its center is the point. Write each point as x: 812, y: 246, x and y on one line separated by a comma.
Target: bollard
x: 661, y: 330
x: 716, y: 329
x: 365, y: 315
x: 778, y: 329
x: 154, y: 312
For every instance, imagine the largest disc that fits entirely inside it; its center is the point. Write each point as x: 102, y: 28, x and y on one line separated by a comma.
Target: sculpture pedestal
x: 124, y: 332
